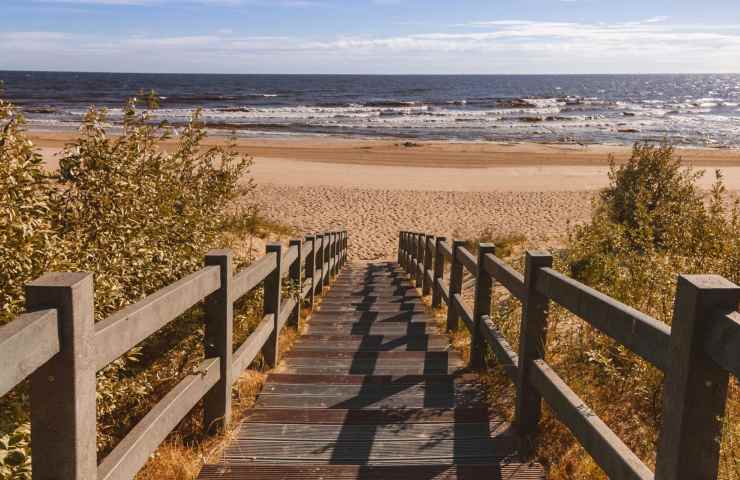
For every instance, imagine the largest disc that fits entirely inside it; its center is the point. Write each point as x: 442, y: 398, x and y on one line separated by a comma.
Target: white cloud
x: 499, y: 46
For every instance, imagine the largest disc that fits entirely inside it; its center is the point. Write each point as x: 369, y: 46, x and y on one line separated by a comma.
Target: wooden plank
x: 419, y: 356
x: 367, y: 397
x: 722, y: 343
x: 468, y: 260
x: 609, y: 452
x: 290, y: 256
x: 340, y: 416
x: 253, y: 275
x: 505, y: 275
x: 284, y: 378
x: 498, y: 471
x: 642, y: 334
x: 306, y: 288
x: 505, y: 355
x: 306, y: 250
x: 318, y: 432
x: 248, y: 350
x: 465, y: 314
x: 26, y: 343
x: 286, y: 308
x: 446, y: 250
x: 357, y: 450
x: 444, y: 291
x: 123, y: 330
x: 134, y: 450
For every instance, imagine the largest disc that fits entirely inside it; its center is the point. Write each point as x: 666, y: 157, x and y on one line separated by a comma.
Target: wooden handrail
x: 705, y: 307
x: 126, y: 328
x: 58, y: 344
x: 30, y: 340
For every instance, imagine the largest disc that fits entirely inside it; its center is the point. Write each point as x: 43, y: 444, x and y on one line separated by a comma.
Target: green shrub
x: 135, y: 216
x: 649, y: 225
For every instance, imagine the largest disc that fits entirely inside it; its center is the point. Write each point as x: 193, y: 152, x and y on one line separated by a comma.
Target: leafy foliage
x: 137, y: 217
x: 649, y: 225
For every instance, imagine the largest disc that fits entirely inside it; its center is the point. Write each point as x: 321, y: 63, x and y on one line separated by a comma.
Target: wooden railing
x: 60, y: 347
x: 696, y: 355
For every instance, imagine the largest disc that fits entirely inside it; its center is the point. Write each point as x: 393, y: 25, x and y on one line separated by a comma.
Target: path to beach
x: 375, y: 188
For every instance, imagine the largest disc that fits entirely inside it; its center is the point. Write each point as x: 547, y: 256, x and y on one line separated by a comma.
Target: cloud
x: 498, y: 46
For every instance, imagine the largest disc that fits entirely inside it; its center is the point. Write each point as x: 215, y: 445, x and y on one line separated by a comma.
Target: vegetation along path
x: 372, y: 390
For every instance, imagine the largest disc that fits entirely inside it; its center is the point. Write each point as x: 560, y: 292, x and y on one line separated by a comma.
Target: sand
x: 375, y: 188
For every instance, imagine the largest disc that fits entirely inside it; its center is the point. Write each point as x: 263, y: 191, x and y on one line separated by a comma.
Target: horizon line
x: 2, y: 70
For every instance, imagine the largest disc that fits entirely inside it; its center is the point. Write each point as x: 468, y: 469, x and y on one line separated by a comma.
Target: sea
x: 687, y: 110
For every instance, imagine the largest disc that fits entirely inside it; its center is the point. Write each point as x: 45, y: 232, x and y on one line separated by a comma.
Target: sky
x: 371, y: 36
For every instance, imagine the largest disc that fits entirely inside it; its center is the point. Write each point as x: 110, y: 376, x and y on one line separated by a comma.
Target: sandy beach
x: 375, y: 188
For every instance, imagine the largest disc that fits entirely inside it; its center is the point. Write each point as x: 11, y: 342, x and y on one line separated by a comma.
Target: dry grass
x: 186, y: 450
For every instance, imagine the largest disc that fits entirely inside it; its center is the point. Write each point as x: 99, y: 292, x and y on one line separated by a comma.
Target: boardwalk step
x: 372, y: 391
x: 502, y: 471
x: 370, y: 417
x: 373, y: 343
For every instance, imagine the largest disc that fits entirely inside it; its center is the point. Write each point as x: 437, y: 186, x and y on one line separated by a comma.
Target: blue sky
x: 371, y: 36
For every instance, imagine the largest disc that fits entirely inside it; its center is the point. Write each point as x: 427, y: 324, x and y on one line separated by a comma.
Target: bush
x: 649, y: 225
x: 135, y: 216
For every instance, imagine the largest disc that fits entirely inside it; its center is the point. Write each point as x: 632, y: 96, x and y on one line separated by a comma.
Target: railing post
x: 311, y: 269
x: 532, y: 338
x: 271, y: 350
x: 428, y: 258
x: 400, y: 248
x: 420, y: 260
x: 335, y: 255
x: 456, y: 280
x: 297, y: 279
x: 218, y: 341
x: 409, y: 254
x: 482, y: 306
x: 695, y: 386
x: 345, y: 244
x: 320, y: 266
x: 439, y: 272
x: 63, y: 421
x: 337, y: 252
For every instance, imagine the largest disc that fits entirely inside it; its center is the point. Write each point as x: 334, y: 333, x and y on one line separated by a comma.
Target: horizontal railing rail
x: 59, y: 347
x: 697, y: 354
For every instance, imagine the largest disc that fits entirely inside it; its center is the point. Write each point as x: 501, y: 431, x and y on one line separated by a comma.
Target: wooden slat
x: 444, y: 291
x: 286, y: 307
x: 505, y: 355
x: 505, y: 275
x: 306, y: 250
x: 610, y: 453
x: 446, y: 250
x: 284, y: 378
x: 723, y: 342
x: 307, y: 286
x: 134, y: 450
x: 340, y: 416
x: 123, y: 330
x: 26, y: 343
x: 430, y: 276
x: 468, y: 260
x: 248, y: 350
x: 290, y: 256
x: 253, y: 275
x: 498, y: 471
x: 644, y: 335
x: 465, y: 314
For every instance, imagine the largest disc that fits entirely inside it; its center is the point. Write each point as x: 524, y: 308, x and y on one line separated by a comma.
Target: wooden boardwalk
x: 372, y: 390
